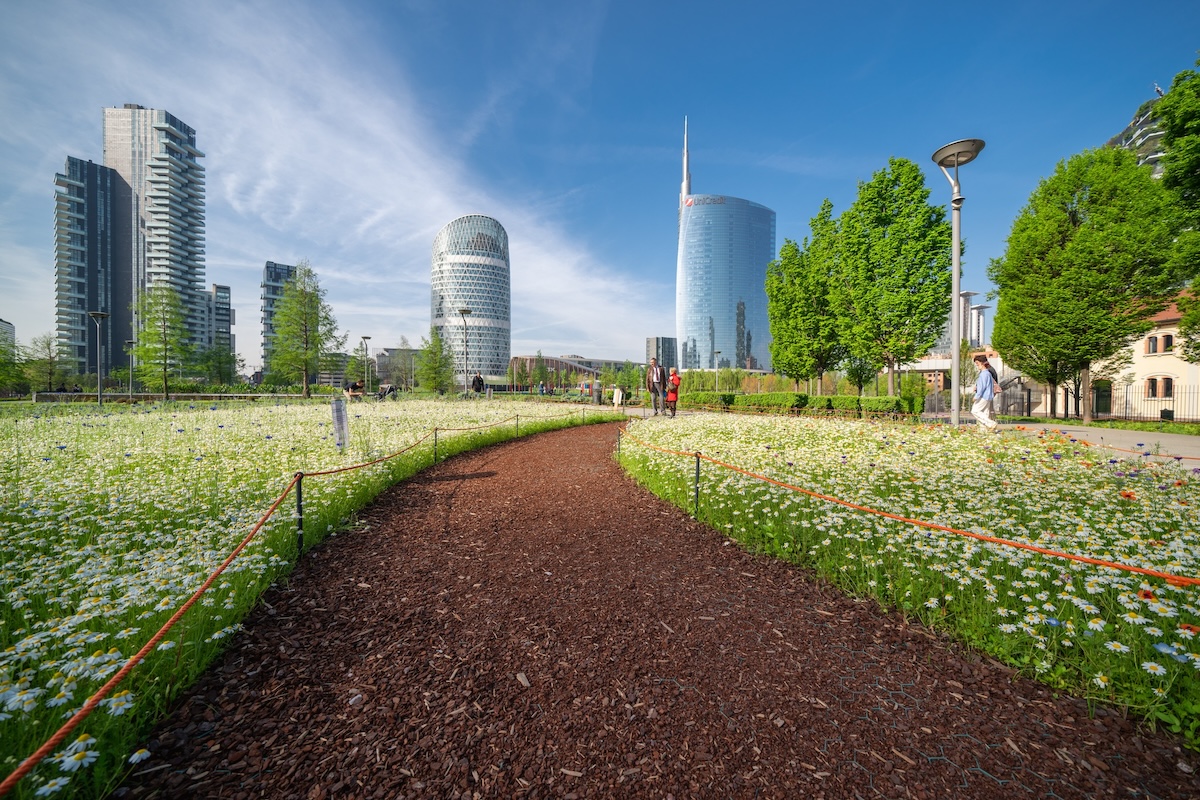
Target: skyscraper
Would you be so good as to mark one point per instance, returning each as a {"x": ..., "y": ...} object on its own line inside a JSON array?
[
  {"x": 273, "y": 280},
  {"x": 158, "y": 213},
  {"x": 725, "y": 245},
  {"x": 471, "y": 271},
  {"x": 85, "y": 265}
]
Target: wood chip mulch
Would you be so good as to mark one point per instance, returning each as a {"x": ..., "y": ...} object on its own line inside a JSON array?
[{"x": 524, "y": 621}]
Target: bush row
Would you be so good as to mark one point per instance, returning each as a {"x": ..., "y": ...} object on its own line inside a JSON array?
[{"x": 796, "y": 402}]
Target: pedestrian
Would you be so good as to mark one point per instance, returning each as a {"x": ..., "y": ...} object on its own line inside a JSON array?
[
  {"x": 985, "y": 390},
  {"x": 477, "y": 384},
  {"x": 673, "y": 382},
  {"x": 354, "y": 391},
  {"x": 656, "y": 384}
]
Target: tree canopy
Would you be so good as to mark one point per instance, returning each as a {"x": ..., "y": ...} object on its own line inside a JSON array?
[
  {"x": 805, "y": 342},
  {"x": 891, "y": 288},
  {"x": 162, "y": 338},
  {"x": 1087, "y": 264},
  {"x": 435, "y": 363},
  {"x": 305, "y": 328}
]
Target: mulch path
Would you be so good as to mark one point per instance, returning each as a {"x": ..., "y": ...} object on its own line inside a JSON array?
[{"x": 524, "y": 621}]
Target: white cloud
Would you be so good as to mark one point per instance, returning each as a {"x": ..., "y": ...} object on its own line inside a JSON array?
[{"x": 316, "y": 147}]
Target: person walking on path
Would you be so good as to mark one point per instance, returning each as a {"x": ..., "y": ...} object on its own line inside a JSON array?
[
  {"x": 656, "y": 384},
  {"x": 673, "y": 390},
  {"x": 477, "y": 384},
  {"x": 985, "y": 390}
]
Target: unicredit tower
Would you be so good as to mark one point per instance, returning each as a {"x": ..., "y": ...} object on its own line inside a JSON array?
[{"x": 725, "y": 245}]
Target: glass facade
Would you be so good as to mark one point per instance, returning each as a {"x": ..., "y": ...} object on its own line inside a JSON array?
[
  {"x": 471, "y": 270},
  {"x": 275, "y": 276},
  {"x": 158, "y": 212},
  {"x": 83, "y": 266},
  {"x": 725, "y": 245}
]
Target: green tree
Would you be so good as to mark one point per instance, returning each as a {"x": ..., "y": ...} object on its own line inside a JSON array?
[
  {"x": 162, "y": 340},
  {"x": 218, "y": 364},
  {"x": 1086, "y": 265},
  {"x": 43, "y": 361},
  {"x": 1179, "y": 115},
  {"x": 12, "y": 373},
  {"x": 805, "y": 342},
  {"x": 540, "y": 373},
  {"x": 522, "y": 374},
  {"x": 860, "y": 372},
  {"x": 892, "y": 286},
  {"x": 435, "y": 363},
  {"x": 305, "y": 328}
]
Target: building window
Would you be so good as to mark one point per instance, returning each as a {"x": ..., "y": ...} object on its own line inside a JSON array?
[
  {"x": 1167, "y": 386},
  {"x": 1168, "y": 343},
  {"x": 1152, "y": 344},
  {"x": 1151, "y": 387}
]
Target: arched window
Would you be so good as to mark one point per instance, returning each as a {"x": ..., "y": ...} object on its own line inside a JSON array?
[
  {"x": 1151, "y": 387},
  {"x": 1168, "y": 343},
  {"x": 1167, "y": 387},
  {"x": 1152, "y": 345}
]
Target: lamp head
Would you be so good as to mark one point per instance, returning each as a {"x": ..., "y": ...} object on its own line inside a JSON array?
[{"x": 958, "y": 153}]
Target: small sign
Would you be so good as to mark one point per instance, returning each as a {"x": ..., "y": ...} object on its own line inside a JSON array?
[{"x": 341, "y": 424}]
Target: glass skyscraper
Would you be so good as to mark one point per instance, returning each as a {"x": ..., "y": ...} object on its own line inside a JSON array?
[
  {"x": 471, "y": 271},
  {"x": 725, "y": 245}
]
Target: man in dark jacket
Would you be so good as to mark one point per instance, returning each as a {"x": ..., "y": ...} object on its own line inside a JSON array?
[
  {"x": 656, "y": 384},
  {"x": 477, "y": 383}
]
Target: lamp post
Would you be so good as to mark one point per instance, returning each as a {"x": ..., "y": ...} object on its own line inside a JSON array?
[
  {"x": 954, "y": 155},
  {"x": 465, "y": 312},
  {"x": 97, "y": 317},
  {"x": 129, "y": 343},
  {"x": 366, "y": 365},
  {"x": 717, "y": 371}
]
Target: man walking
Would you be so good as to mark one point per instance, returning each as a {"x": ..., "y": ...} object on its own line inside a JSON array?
[
  {"x": 985, "y": 390},
  {"x": 656, "y": 384}
]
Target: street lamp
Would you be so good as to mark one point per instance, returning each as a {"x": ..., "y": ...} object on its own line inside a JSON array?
[
  {"x": 97, "y": 316},
  {"x": 465, "y": 312},
  {"x": 954, "y": 155},
  {"x": 366, "y": 365},
  {"x": 717, "y": 371},
  {"x": 129, "y": 343}
]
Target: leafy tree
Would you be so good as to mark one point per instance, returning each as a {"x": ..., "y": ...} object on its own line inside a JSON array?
[
  {"x": 12, "y": 373},
  {"x": 540, "y": 373},
  {"x": 44, "y": 361},
  {"x": 1179, "y": 114},
  {"x": 892, "y": 285},
  {"x": 804, "y": 332},
  {"x": 305, "y": 328},
  {"x": 218, "y": 364},
  {"x": 522, "y": 373},
  {"x": 435, "y": 363},
  {"x": 860, "y": 371},
  {"x": 1086, "y": 266},
  {"x": 162, "y": 340}
]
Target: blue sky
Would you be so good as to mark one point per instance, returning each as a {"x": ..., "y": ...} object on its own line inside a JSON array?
[{"x": 350, "y": 133}]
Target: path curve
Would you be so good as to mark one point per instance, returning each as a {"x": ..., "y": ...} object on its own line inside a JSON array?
[{"x": 525, "y": 621}]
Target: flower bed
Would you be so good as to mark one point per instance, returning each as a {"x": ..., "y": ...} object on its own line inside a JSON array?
[{"x": 1101, "y": 632}]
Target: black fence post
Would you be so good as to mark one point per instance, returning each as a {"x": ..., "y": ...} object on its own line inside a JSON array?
[
  {"x": 299, "y": 514},
  {"x": 697, "y": 485}
]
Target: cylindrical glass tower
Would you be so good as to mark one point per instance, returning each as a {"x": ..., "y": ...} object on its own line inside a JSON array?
[
  {"x": 471, "y": 271},
  {"x": 725, "y": 245}
]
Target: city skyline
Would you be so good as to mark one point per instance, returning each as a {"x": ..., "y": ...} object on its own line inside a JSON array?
[{"x": 349, "y": 135}]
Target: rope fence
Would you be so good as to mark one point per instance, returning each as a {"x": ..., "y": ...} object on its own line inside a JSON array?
[
  {"x": 1174, "y": 580},
  {"x": 297, "y": 483}
]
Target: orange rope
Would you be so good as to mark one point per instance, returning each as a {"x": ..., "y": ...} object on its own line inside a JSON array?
[
  {"x": 61, "y": 734},
  {"x": 1175, "y": 580}
]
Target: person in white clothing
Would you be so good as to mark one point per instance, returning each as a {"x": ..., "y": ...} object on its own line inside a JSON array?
[{"x": 985, "y": 390}]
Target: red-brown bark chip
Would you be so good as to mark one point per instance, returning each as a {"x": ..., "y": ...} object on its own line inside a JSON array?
[{"x": 524, "y": 621}]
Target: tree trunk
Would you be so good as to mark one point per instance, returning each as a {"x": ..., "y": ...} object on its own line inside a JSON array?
[
  {"x": 891, "y": 373},
  {"x": 1085, "y": 390},
  {"x": 1053, "y": 400}
]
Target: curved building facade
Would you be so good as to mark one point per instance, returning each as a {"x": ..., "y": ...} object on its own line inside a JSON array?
[
  {"x": 471, "y": 270},
  {"x": 725, "y": 245}
]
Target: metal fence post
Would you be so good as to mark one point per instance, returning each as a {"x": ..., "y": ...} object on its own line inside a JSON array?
[
  {"x": 517, "y": 417},
  {"x": 435, "y": 445},
  {"x": 697, "y": 485},
  {"x": 299, "y": 514}
]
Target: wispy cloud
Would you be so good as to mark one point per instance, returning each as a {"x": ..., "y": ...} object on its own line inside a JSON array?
[{"x": 316, "y": 146}]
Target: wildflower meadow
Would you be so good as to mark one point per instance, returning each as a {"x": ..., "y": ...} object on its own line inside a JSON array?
[
  {"x": 1100, "y": 632},
  {"x": 113, "y": 516}
]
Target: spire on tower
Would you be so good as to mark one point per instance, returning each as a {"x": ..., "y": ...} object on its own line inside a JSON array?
[{"x": 685, "y": 188}]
